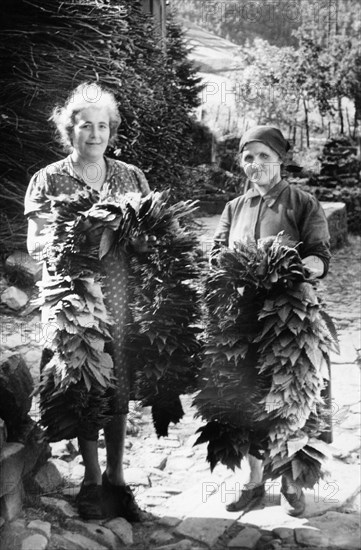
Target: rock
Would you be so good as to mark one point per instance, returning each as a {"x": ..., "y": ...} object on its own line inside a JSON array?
[
  {"x": 3, "y": 433},
  {"x": 309, "y": 536},
  {"x": 11, "y": 504},
  {"x": 23, "y": 262},
  {"x": 63, "y": 449},
  {"x": 16, "y": 385},
  {"x": 156, "y": 461},
  {"x": 160, "y": 492},
  {"x": 58, "y": 541},
  {"x": 14, "y": 298},
  {"x": 343, "y": 530},
  {"x": 59, "y": 505},
  {"x": 48, "y": 478},
  {"x": 122, "y": 529},
  {"x": 184, "y": 453},
  {"x": 37, "y": 449},
  {"x": 34, "y": 541},
  {"x": 161, "y": 537},
  {"x": 169, "y": 490},
  {"x": 14, "y": 339},
  {"x": 169, "y": 521},
  {"x": 190, "y": 441},
  {"x": 152, "y": 502},
  {"x": 18, "y": 524},
  {"x": 284, "y": 533},
  {"x": 171, "y": 442},
  {"x": 137, "y": 476},
  {"x": 273, "y": 545},
  {"x": 181, "y": 545},
  {"x": 76, "y": 472},
  {"x": 203, "y": 529},
  {"x": 11, "y": 535},
  {"x": 179, "y": 463},
  {"x": 2, "y": 521},
  {"x": 43, "y": 526},
  {"x": 12, "y": 461},
  {"x": 33, "y": 358},
  {"x": 266, "y": 537},
  {"x": 97, "y": 532},
  {"x": 63, "y": 467},
  {"x": 247, "y": 538},
  {"x": 75, "y": 541}
]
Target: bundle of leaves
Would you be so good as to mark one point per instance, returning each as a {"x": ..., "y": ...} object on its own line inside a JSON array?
[
  {"x": 48, "y": 47},
  {"x": 162, "y": 338},
  {"x": 266, "y": 361}
]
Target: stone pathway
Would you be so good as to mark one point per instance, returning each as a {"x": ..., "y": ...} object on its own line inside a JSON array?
[{"x": 185, "y": 503}]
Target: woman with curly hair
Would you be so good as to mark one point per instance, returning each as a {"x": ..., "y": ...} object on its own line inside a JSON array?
[{"x": 87, "y": 123}]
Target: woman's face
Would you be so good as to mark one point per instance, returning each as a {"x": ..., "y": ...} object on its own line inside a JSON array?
[
  {"x": 91, "y": 133},
  {"x": 261, "y": 164}
]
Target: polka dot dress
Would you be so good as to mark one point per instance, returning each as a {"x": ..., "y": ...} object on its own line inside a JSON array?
[
  {"x": 59, "y": 178},
  {"x": 115, "y": 289}
]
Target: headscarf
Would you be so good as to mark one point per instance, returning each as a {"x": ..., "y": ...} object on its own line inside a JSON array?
[{"x": 269, "y": 135}]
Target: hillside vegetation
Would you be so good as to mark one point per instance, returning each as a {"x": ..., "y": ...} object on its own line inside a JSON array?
[{"x": 242, "y": 21}]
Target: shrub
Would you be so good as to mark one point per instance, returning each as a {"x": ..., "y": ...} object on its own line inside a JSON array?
[{"x": 49, "y": 46}]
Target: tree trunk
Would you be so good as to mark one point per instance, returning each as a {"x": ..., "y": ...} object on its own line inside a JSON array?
[
  {"x": 214, "y": 151},
  {"x": 348, "y": 122},
  {"x": 306, "y": 123},
  {"x": 339, "y": 106},
  {"x": 355, "y": 119}
]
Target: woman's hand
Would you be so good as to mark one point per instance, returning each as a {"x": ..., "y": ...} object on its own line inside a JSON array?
[{"x": 314, "y": 266}]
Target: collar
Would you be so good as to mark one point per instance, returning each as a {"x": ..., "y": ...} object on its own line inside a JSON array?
[
  {"x": 271, "y": 196},
  {"x": 66, "y": 167}
]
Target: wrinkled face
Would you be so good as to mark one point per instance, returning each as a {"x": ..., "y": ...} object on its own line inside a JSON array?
[
  {"x": 261, "y": 164},
  {"x": 91, "y": 132}
]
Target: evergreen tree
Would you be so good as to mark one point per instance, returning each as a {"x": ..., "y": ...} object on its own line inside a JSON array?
[{"x": 47, "y": 47}]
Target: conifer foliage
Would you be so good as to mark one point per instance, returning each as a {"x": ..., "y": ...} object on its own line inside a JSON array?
[{"x": 48, "y": 47}]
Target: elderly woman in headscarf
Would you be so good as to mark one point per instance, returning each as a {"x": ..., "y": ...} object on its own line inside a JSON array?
[{"x": 269, "y": 206}]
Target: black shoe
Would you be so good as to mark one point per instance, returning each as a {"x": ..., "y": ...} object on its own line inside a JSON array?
[
  {"x": 294, "y": 504},
  {"x": 248, "y": 498},
  {"x": 89, "y": 501},
  {"x": 119, "y": 501}
]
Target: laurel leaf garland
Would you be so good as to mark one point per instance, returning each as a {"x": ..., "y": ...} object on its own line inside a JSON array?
[
  {"x": 266, "y": 361},
  {"x": 162, "y": 340}
]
